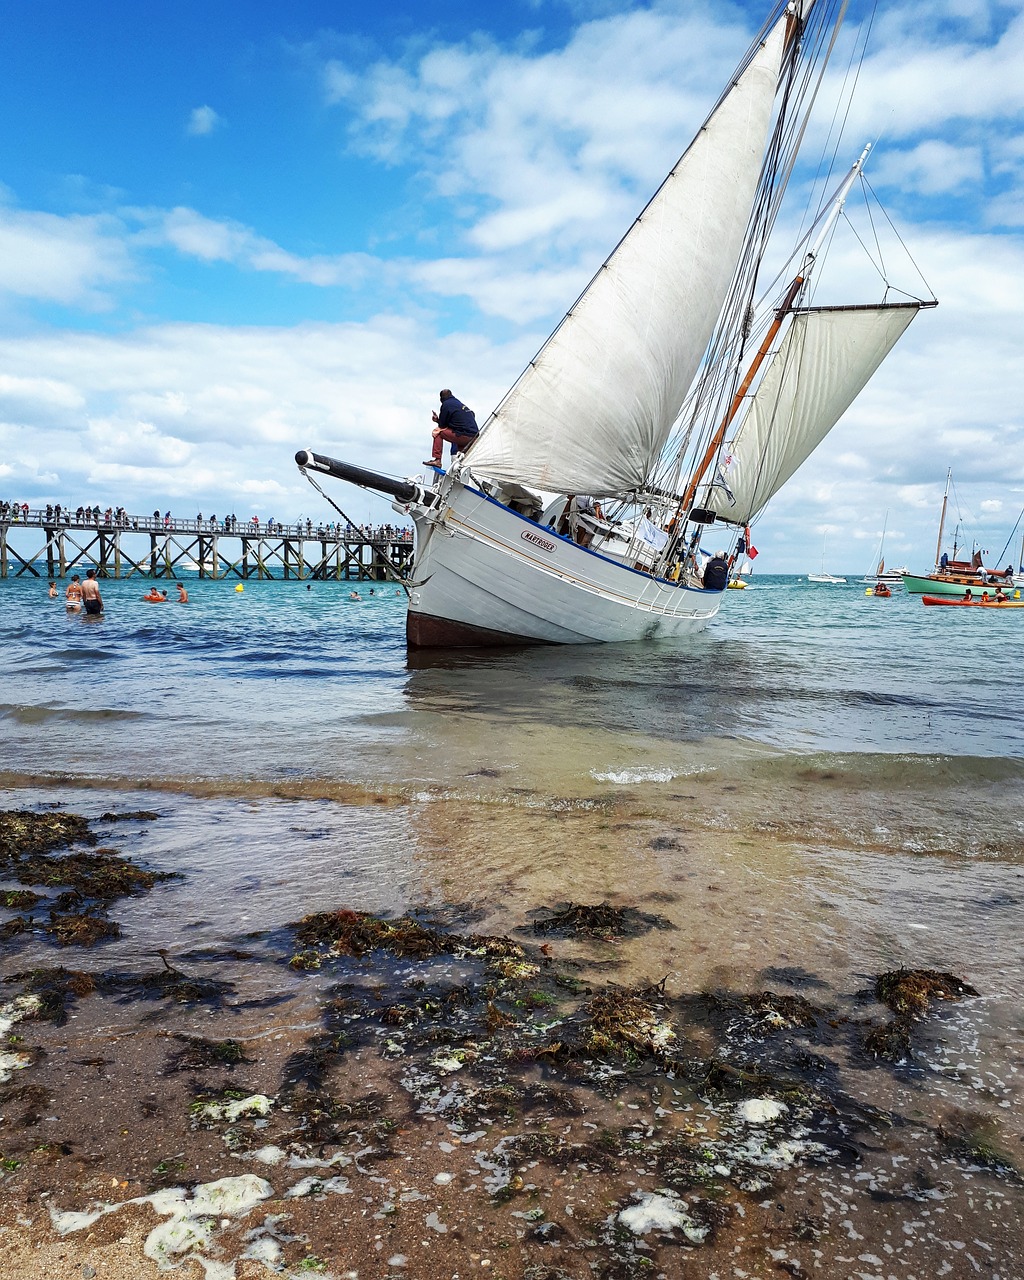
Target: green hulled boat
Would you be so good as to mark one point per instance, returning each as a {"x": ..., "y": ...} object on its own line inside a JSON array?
[{"x": 952, "y": 577}]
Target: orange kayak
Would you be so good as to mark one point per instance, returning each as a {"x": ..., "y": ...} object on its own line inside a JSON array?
[{"x": 973, "y": 604}]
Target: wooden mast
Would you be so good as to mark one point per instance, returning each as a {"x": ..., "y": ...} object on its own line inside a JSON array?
[{"x": 737, "y": 400}]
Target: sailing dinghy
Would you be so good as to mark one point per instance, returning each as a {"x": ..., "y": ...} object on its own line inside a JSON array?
[{"x": 636, "y": 397}]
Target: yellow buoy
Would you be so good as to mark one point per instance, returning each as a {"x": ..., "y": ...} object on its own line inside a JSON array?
[
  {"x": 239, "y": 587},
  {"x": 869, "y": 591}
]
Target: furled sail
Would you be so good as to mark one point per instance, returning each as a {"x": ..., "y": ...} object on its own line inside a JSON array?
[
  {"x": 592, "y": 413},
  {"x": 826, "y": 358}
]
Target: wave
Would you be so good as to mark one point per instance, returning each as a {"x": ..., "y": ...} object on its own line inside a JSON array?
[
  {"x": 955, "y": 773},
  {"x": 29, "y": 715},
  {"x": 624, "y": 777},
  {"x": 83, "y": 655},
  {"x": 308, "y": 788}
]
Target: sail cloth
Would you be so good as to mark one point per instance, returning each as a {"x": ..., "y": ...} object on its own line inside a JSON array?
[
  {"x": 592, "y": 413},
  {"x": 821, "y": 365}
]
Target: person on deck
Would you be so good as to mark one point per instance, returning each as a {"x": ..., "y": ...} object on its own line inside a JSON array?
[
  {"x": 716, "y": 572},
  {"x": 456, "y": 423},
  {"x": 569, "y": 523}
]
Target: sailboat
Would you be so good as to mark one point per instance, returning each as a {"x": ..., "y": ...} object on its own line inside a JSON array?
[
  {"x": 952, "y": 577},
  {"x": 823, "y": 576},
  {"x": 632, "y": 397},
  {"x": 742, "y": 571},
  {"x": 883, "y": 577}
]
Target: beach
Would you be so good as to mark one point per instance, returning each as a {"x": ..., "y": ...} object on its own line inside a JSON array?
[{"x": 344, "y": 1014}]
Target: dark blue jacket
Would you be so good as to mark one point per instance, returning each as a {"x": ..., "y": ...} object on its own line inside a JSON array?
[
  {"x": 716, "y": 574},
  {"x": 457, "y": 417}
]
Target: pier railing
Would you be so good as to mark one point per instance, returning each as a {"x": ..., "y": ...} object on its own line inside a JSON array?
[{"x": 123, "y": 546}]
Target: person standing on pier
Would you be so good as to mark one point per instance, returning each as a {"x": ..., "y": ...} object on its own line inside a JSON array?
[{"x": 91, "y": 598}]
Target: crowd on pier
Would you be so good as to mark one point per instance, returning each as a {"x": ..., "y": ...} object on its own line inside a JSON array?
[{"x": 55, "y": 515}]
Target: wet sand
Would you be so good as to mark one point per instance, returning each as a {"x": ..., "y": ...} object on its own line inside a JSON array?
[{"x": 698, "y": 1095}]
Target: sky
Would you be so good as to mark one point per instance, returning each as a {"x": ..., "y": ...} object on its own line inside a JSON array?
[{"x": 231, "y": 231}]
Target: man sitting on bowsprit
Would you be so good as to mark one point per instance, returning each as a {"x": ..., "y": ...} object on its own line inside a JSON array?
[
  {"x": 456, "y": 423},
  {"x": 716, "y": 572}
]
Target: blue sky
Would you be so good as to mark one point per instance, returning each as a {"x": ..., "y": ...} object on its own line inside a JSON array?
[{"x": 228, "y": 231}]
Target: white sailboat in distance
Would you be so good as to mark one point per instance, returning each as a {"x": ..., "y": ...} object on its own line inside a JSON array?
[
  {"x": 823, "y": 576},
  {"x": 636, "y": 397}
]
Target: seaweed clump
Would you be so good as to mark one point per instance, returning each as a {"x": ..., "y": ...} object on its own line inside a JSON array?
[
  {"x": 599, "y": 921},
  {"x": 79, "y": 885},
  {"x": 54, "y": 989},
  {"x": 198, "y": 1054},
  {"x": 908, "y": 991},
  {"x": 329, "y": 934},
  {"x": 628, "y": 1024},
  {"x": 23, "y": 833}
]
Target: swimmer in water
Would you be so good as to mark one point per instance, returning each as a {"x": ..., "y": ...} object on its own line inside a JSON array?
[
  {"x": 53, "y": 591},
  {"x": 182, "y": 593},
  {"x": 73, "y": 595},
  {"x": 354, "y": 595}
]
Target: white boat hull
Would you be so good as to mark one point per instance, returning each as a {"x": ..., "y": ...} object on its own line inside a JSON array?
[{"x": 485, "y": 575}]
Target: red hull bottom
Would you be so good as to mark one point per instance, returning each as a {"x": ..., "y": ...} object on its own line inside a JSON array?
[{"x": 422, "y": 631}]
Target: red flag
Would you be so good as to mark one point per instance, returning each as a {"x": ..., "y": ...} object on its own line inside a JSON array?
[{"x": 752, "y": 552}]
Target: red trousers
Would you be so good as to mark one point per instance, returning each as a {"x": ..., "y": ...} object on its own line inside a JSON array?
[{"x": 454, "y": 438}]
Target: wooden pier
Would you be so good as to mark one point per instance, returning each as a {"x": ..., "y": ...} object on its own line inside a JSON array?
[{"x": 151, "y": 547}]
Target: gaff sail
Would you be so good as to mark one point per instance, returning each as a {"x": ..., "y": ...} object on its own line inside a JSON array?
[
  {"x": 592, "y": 412},
  {"x": 824, "y": 361}
]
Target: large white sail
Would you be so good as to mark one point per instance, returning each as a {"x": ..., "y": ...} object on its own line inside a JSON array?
[
  {"x": 592, "y": 413},
  {"x": 821, "y": 365}
]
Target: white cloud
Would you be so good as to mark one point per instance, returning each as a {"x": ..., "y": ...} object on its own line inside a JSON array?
[
  {"x": 71, "y": 260},
  {"x": 214, "y": 414},
  {"x": 931, "y": 168},
  {"x": 202, "y": 121},
  {"x": 534, "y": 146}
]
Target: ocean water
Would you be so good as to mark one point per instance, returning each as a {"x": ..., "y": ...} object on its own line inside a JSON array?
[
  {"x": 278, "y": 682},
  {"x": 822, "y": 787}
]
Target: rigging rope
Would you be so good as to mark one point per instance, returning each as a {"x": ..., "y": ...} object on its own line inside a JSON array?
[{"x": 388, "y": 566}]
